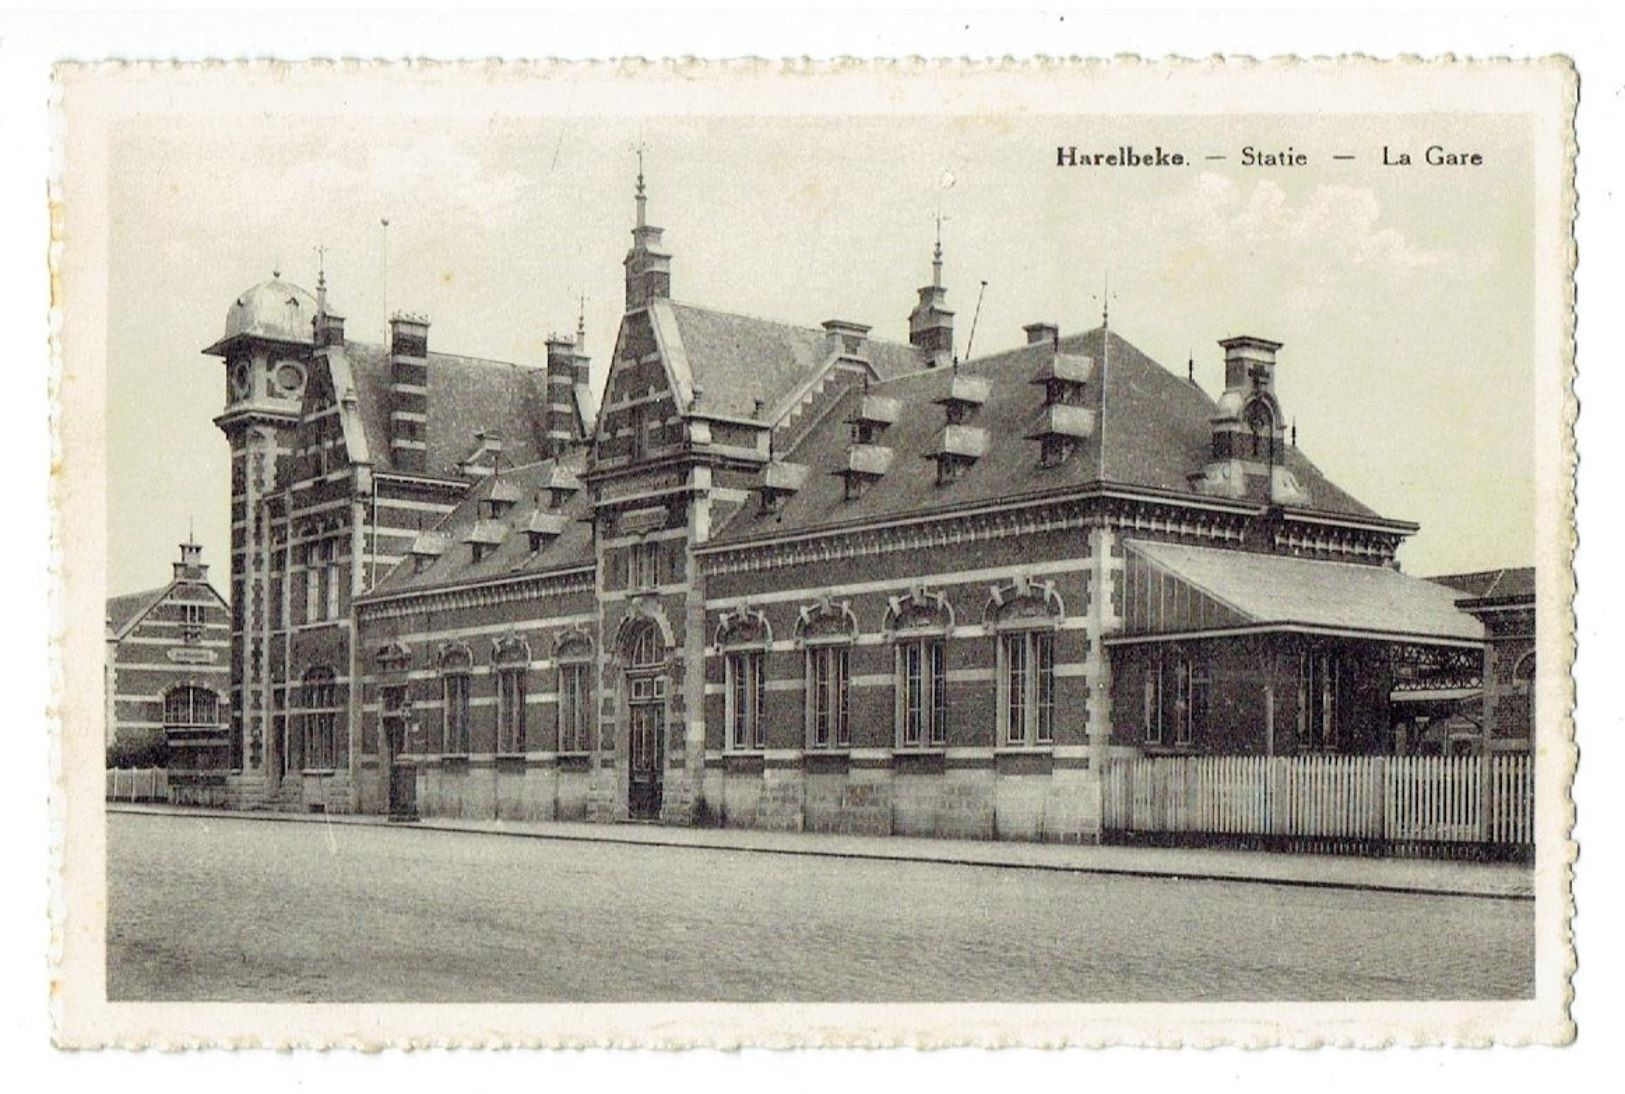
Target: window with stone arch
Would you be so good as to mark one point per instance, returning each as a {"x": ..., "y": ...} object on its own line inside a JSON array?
[
  {"x": 826, "y": 632},
  {"x": 318, "y": 703},
  {"x": 918, "y": 625},
  {"x": 1259, "y": 418},
  {"x": 510, "y": 661},
  {"x": 745, "y": 638},
  {"x": 573, "y": 658},
  {"x": 1023, "y": 618},
  {"x": 456, "y": 664}
]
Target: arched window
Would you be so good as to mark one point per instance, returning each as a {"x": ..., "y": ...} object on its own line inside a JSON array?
[
  {"x": 1261, "y": 424},
  {"x": 573, "y": 656},
  {"x": 827, "y": 631},
  {"x": 512, "y": 662},
  {"x": 745, "y": 638},
  {"x": 918, "y": 626},
  {"x": 1023, "y": 617},
  {"x": 645, "y": 651},
  {"x": 318, "y": 703},
  {"x": 188, "y": 707},
  {"x": 456, "y": 667}
]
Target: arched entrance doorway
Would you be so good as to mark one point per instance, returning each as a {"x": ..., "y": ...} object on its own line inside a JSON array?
[{"x": 645, "y": 690}]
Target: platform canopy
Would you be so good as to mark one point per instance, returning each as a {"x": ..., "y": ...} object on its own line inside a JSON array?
[{"x": 1176, "y": 591}]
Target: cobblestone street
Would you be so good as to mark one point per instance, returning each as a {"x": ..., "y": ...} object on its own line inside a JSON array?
[{"x": 226, "y": 909}]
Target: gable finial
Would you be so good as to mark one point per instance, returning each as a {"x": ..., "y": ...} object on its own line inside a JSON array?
[
  {"x": 1294, "y": 431},
  {"x": 936, "y": 254},
  {"x": 581, "y": 323},
  {"x": 1190, "y": 366},
  {"x": 642, "y": 194}
]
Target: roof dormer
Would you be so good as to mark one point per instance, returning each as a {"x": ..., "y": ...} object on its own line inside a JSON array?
[
  {"x": 427, "y": 547},
  {"x": 876, "y": 413},
  {"x": 964, "y": 397},
  {"x": 560, "y": 486},
  {"x": 1064, "y": 377},
  {"x": 504, "y": 496},
  {"x": 863, "y": 465},
  {"x": 543, "y": 528},
  {"x": 781, "y": 480},
  {"x": 485, "y": 537},
  {"x": 956, "y": 449}
]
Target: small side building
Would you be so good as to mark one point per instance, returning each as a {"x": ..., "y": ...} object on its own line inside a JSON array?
[{"x": 167, "y": 672}]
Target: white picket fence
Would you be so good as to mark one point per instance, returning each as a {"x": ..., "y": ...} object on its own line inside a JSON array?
[
  {"x": 128, "y": 784},
  {"x": 1400, "y": 799}
]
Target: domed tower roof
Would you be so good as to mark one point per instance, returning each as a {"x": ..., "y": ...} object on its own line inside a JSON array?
[{"x": 274, "y": 309}]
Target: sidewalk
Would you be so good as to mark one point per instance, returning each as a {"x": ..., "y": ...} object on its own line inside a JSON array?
[{"x": 1494, "y": 880}]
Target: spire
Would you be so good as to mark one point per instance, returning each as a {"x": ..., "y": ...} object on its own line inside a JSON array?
[
  {"x": 581, "y": 324},
  {"x": 321, "y": 279},
  {"x": 936, "y": 257},
  {"x": 642, "y": 197}
]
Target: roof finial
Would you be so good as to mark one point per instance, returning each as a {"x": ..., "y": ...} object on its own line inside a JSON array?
[
  {"x": 1294, "y": 431},
  {"x": 581, "y": 324},
  {"x": 1190, "y": 366},
  {"x": 321, "y": 278},
  {"x": 936, "y": 255},
  {"x": 642, "y": 196},
  {"x": 1106, "y": 303}
]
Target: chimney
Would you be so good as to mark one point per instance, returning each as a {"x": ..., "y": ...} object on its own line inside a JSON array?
[
  {"x": 846, "y": 339},
  {"x": 191, "y": 566},
  {"x": 1042, "y": 332},
  {"x": 408, "y": 392},
  {"x": 562, "y": 431}
]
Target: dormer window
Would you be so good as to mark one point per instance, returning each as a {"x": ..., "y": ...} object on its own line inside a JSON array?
[
  {"x": 957, "y": 448},
  {"x": 504, "y": 496},
  {"x": 543, "y": 528},
  {"x": 780, "y": 481},
  {"x": 560, "y": 486},
  {"x": 875, "y": 414},
  {"x": 1053, "y": 450},
  {"x": 964, "y": 398},
  {"x": 1064, "y": 377},
  {"x": 485, "y": 537},
  {"x": 865, "y": 463}
]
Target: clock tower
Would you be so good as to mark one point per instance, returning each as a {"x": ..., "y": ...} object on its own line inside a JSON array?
[{"x": 267, "y": 352}]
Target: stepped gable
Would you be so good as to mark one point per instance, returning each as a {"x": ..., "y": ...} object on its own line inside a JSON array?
[
  {"x": 738, "y": 359},
  {"x": 466, "y": 395},
  {"x": 510, "y": 553},
  {"x": 1157, "y": 428}
]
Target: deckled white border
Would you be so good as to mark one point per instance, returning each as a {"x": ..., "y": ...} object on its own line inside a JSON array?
[{"x": 1185, "y": 87}]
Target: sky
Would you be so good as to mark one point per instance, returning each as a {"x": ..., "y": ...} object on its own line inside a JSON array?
[{"x": 1403, "y": 296}]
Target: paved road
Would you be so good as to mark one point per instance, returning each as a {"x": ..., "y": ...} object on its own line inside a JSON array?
[{"x": 228, "y": 909}]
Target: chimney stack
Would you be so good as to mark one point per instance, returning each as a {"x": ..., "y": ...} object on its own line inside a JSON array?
[
  {"x": 1042, "y": 332},
  {"x": 408, "y": 391},
  {"x": 561, "y": 394}
]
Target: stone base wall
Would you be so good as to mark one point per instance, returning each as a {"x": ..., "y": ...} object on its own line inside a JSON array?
[{"x": 875, "y": 796}]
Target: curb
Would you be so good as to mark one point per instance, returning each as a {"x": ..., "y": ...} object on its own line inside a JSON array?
[{"x": 431, "y": 825}]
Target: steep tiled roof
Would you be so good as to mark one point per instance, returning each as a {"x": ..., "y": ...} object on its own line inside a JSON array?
[
  {"x": 511, "y": 553},
  {"x": 1517, "y": 583},
  {"x": 737, "y": 359},
  {"x": 466, "y": 395},
  {"x": 1156, "y": 426},
  {"x": 125, "y": 610}
]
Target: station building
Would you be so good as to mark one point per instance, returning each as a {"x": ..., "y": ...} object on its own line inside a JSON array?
[
  {"x": 783, "y": 576},
  {"x": 167, "y": 672}
]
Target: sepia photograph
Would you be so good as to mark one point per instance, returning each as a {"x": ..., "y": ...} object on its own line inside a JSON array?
[{"x": 576, "y": 539}]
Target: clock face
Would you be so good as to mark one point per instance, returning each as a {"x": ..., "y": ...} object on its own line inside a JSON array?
[
  {"x": 290, "y": 378},
  {"x": 239, "y": 379}
]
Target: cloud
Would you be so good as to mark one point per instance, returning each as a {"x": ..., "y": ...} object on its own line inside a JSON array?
[{"x": 1341, "y": 224}]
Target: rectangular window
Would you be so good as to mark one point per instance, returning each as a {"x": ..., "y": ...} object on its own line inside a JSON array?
[
  {"x": 1027, "y": 687},
  {"x": 922, "y": 693},
  {"x": 192, "y": 623},
  {"x": 1317, "y": 701},
  {"x": 574, "y": 708},
  {"x": 747, "y": 693},
  {"x": 319, "y": 697},
  {"x": 643, "y": 565},
  {"x": 827, "y": 684},
  {"x": 1177, "y": 698},
  {"x": 454, "y": 724},
  {"x": 511, "y": 710},
  {"x": 313, "y": 572},
  {"x": 332, "y": 581}
]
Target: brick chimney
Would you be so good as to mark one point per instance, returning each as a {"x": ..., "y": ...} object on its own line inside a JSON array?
[
  {"x": 408, "y": 392},
  {"x": 1042, "y": 332},
  {"x": 562, "y": 431}
]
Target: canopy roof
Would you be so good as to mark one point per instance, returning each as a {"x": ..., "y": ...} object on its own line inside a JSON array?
[{"x": 1173, "y": 590}]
